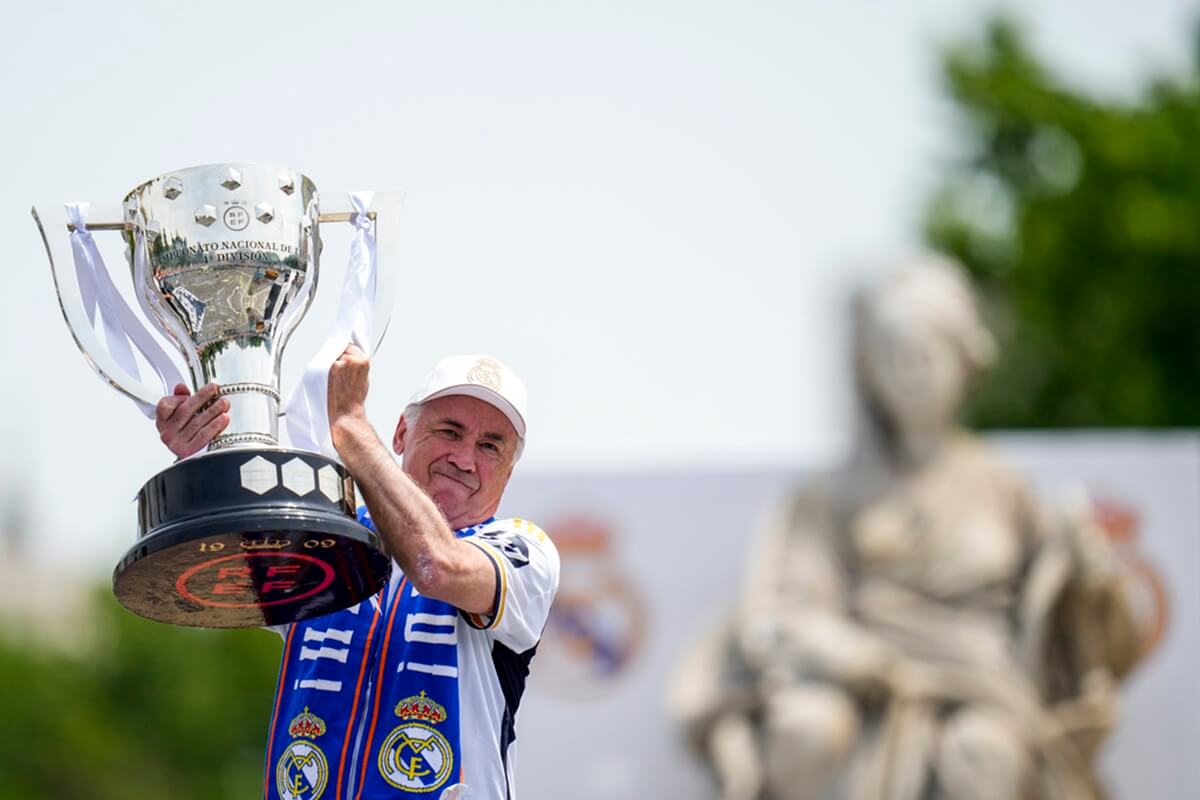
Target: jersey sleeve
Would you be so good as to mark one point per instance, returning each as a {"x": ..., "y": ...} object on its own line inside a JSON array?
[{"x": 527, "y": 566}]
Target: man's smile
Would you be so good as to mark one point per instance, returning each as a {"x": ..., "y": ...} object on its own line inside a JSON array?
[{"x": 466, "y": 479}]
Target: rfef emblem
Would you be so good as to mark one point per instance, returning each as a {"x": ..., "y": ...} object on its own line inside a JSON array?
[
  {"x": 416, "y": 756},
  {"x": 303, "y": 771}
]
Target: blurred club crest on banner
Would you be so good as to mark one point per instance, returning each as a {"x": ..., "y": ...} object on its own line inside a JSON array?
[
  {"x": 598, "y": 624},
  {"x": 1147, "y": 591}
]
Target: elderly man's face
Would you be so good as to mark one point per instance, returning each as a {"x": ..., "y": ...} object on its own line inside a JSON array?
[{"x": 460, "y": 450}]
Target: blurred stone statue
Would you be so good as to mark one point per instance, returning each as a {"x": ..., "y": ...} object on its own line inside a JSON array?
[{"x": 915, "y": 627}]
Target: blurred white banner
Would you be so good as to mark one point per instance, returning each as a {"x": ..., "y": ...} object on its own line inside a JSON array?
[{"x": 650, "y": 560}]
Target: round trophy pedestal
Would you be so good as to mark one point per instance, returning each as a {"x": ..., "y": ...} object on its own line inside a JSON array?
[{"x": 248, "y": 537}]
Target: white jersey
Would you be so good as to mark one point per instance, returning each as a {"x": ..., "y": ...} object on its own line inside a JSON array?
[{"x": 411, "y": 695}]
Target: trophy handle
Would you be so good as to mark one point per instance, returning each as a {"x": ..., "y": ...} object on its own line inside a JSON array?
[
  {"x": 384, "y": 210},
  {"x": 53, "y": 223}
]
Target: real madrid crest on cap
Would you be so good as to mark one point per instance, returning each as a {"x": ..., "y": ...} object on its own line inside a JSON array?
[
  {"x": 415, "y": 755},
  {"x": 303, "y": 771},
  {"x": 485, "y": 372}
]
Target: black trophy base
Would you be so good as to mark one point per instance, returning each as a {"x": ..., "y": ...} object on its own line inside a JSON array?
[{"x": 249, "y": 537}]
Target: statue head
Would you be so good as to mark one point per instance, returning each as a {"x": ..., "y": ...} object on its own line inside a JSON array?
[{"x": 919, "y": 344}]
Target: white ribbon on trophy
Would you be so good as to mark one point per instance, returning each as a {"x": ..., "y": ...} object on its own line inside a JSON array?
[
  {"x": 121, "y": 326},
  {"x": 307, "y": 406}
]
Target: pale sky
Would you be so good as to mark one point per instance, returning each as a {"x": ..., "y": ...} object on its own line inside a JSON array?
[{"x": 650, "y": 210}]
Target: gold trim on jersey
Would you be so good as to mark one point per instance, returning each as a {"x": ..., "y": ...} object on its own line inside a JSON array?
[{"x": 502, "y": 577}]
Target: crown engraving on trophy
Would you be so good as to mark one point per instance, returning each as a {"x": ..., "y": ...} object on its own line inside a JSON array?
[
  {"x": 231, "y": 178},
  {"x": 264, "y": 212},
  {"x": 206, "y": 215},
  {"x": 172, "y": 187}
]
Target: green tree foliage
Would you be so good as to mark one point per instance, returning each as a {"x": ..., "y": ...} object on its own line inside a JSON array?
[
  {"x": 1080, "y": 220},
  {"x": 138, "y": 710}
]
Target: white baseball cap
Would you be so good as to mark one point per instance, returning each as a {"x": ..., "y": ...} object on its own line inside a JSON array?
[{"x": 481, "y": 377}]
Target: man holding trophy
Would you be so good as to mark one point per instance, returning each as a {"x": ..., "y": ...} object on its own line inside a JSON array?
[
  {"x": 468, "y": 602},
  {"x": 389, "y": 686}
]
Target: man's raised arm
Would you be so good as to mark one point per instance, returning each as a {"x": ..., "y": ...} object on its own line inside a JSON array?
[{"x": 413, "y": 529}]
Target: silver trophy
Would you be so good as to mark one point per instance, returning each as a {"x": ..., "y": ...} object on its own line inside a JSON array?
[{"x": 224, "y": 260}]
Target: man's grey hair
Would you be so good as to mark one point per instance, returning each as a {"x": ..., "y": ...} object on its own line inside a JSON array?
[{"x": 413, "y": 410}]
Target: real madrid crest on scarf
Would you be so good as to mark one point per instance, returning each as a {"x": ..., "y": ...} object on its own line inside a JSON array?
[
  {"x": 416, "y": 755},
  {"x": 303, "y": 771}
]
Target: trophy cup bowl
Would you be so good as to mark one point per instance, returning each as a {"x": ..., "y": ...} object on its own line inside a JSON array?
[{"x": 225, "y": 259}]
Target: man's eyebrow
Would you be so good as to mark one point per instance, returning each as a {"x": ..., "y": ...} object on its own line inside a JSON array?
[{"x": 458, "y": 426}]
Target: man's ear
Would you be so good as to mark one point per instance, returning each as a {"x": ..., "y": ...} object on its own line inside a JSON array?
[{"x": 398, "y": 436}]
